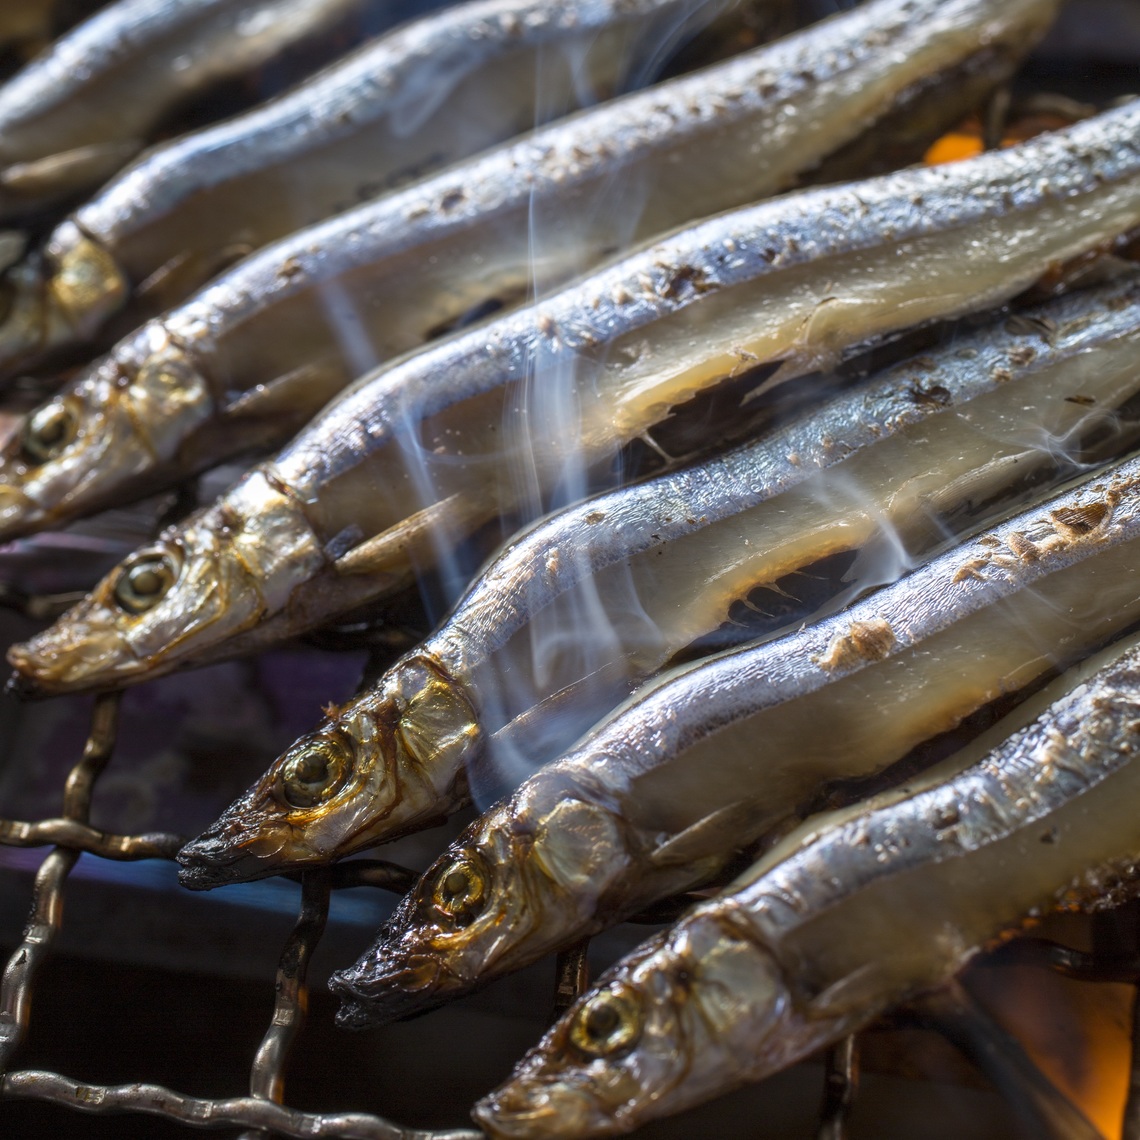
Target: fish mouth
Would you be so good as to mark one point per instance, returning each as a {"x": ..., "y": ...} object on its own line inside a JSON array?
[
  {"x": 536, "y": 1108},
  {"x": 221, "y": 857},
  {"x": 200, "y": 869},
  {"x": 70, "y": 656},
  {"x": 390, "y": 991}
]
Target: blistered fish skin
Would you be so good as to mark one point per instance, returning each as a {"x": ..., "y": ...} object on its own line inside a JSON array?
[
  {"x": 1006, "y": 216},
  {"x": 378, "y": 786},
  {"x": 187, "y": 209},
  {"x": 775, "y": 940},
  {"x": 662, "y": 793},
  {"x": 263, "y": 333}
]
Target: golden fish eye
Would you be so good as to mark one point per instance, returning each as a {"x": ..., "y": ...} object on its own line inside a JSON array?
[
  {"x": 48, "y": 430},
  {"x": 608, "y": 1023},
  {"x": 461, "y": 890},
  {"x": 314, "y": 772},
  {"x": 144, "y": 581}
]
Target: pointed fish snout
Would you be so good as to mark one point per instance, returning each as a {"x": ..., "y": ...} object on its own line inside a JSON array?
[
  {"x": 230, "y": 851},
  {"x": 203, "y": 864},
  {"x": 387, "y": 991},
  {"x": 530, "y": 1111}
]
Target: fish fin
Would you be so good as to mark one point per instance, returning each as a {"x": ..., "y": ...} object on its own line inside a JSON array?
[
  {"x": 300, "y": 393},
  {"x": 393, "y": 548},
  {"x": 858, "y": 990},
  {"x": 67, "y": 171},
  {"x": 719, "y": 832}
]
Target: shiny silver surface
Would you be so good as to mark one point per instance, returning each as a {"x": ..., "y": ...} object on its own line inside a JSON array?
[
  {"x": 683, "y": 549},
  {"x": 700, "y": 763},
  {"x": 830, "y": 269},
  {"x": 288, "y": 328},
  {"x": 856, "y": 912}
]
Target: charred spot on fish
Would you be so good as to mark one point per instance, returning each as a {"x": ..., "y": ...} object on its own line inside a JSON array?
[
  {"x": 229, "y": 522},
  {"x": 290, "y": 268},
  {"x": 607, "y": 1023},
  {"x": 945, "y": 816},
  {"x": 49, "y": 430},
  {"x": 314, "y": 771},
  {"x": 864, "y": 641},
  {"x": 930, "y": 395},
  {"x": 452, "y": 199},
  {"x": 460, "y": 890},
  {"x": 145, "y": 580},
  {"x": 1075, "y": 522},
  {"x": 684, "y": 282},
  {"x": 1081, "y": 401}
]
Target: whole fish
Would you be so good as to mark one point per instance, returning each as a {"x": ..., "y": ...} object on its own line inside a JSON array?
[
  {"x": 254, "y": 356},
  {"x": 935, "y": 446},
  {"x": 81, "y": 110},
  {"x": 700, "y": 764},
  {"x": 438, "y": 89},
  {"x": 306, "y": 536},
  {"x": 855, "y": 913}
]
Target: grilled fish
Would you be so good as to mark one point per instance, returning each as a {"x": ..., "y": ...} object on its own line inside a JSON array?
[
  {"x": 700, "y": 764},
  {"x": 932, "y": 448},
  {"x": 80, "y": 111},
  {"x": 306, "y": 536},
  {"x": 251, "y": 358},
  {"x": 851, "y": 915},
  {"x": 436, "y": 90}
]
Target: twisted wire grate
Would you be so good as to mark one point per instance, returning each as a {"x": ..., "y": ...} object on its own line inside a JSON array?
[{"x": 263, "y": 1113}]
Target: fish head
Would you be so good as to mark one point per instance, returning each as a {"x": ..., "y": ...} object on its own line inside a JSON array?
[
  {"x": 522, "y": 881},
  {"x": 203, "y": 581},
  {"x": 111, "y": 432},
  {"x": 57, "y": 296},
  {"x": 677, "y": 1021},
  {"x": 392, "y": 760}
]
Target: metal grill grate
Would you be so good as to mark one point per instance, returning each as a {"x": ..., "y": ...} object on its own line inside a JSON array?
[{"x": 263, "y": 1113}]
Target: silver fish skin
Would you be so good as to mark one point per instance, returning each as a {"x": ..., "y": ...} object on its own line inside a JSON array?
[
  {"x": 662, "y": 794},
  {"x": 263, "y": 348},
  {"x": 855, "y": 913},
  {"x": 80, "y": 111},
  {"x": 664, "y": 563},
  {"x": 828, "y": 269},
  {"x": 436, "y": 90}
]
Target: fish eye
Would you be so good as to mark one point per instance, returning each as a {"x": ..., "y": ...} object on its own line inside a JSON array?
[
  {"x": 461, "y": 890},
  {"x": 49, "y": 429},
  {"x": 314, "y": 772},
  {"x": 144, "y": 581},
  {"x": 607, "y": 1023}
]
